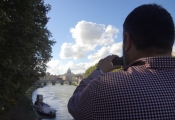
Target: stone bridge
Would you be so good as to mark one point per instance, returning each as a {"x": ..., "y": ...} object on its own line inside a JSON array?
[
  {"x": 43, "y": 82},
  {"x": 68, "y": 78}
]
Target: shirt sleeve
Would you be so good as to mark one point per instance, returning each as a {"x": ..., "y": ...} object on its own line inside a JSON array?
[{"x": 79, "y": 105}]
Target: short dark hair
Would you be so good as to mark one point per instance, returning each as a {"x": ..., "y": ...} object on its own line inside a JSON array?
[{"x": 150, "y": 25}]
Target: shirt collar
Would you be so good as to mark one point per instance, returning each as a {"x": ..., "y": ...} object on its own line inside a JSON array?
[{"x": 155, "y": 62}]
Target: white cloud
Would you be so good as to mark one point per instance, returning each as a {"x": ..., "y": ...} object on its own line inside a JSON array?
[
  {"x": 81, "y": 67},
  {"x": 109, "y": 35},
  {"x": 87, "y": 33},
  {"x": 55, "y": 67},
  {"x": 87, "y": 36},
  {"x": 73, "y": 51},
  {"x": 103, "y": 52},
  {"x": 115, "y": 49}
]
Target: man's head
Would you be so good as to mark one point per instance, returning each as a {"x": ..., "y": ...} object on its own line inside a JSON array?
[{"x": 147, "y": 31}]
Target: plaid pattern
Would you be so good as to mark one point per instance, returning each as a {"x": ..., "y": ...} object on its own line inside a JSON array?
[{"x": 145, "y": 90}]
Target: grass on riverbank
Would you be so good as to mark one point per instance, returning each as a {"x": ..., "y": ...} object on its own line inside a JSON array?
[
  {"x": 74, "y": 84},
  {"x": 24, "y": 109}
]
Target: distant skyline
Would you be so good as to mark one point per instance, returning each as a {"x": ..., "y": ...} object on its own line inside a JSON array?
[{"x": 88, "y": 30}]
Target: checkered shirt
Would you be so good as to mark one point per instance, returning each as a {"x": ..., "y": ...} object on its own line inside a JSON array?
[{"x": 143, "y": 91}]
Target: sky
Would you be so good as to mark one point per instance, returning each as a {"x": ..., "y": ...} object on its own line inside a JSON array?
[{"x": 88, "y": 30}]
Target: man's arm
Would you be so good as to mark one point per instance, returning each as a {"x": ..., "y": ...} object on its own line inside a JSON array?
[{"x": 79, "y": 105}]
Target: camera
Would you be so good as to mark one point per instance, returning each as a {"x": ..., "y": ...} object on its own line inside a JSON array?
[{"x": 117, "y": 61}]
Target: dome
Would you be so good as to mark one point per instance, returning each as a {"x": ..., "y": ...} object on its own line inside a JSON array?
[{"x": 69, "y": 71}]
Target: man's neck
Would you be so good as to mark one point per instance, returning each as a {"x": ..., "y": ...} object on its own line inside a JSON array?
[
  {"x": 146, "y": 54},
  {"x": 153, "y": 54}
]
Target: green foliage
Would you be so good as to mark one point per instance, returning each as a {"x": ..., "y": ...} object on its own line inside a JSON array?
[
  {"x": 173, "y": 56},
  {"x": 23, "y": 110},
  {"x": 92, "y": 68},
  {"x": 75, "y": 84},
  {"x": 25, "y": 48},
  {"x": 116, "y": 70}
]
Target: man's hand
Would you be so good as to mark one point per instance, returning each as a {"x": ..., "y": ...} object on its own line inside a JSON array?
[{"x": 106, "y": 64}]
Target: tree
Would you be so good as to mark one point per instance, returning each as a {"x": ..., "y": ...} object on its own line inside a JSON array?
[
  {"x": 89, "y": 70},
  {"x": 92, "y": 68},
  {"x": 173, "y": 54},
  {"x": 25, "y": 48}
]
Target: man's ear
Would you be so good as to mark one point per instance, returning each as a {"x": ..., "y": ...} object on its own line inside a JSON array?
[{"x": 127, "y": 41}]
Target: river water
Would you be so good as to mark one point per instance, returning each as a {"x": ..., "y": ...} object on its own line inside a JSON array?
[{"x": 57, "y": 97}]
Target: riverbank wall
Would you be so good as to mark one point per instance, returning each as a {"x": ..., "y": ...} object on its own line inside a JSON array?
[{"x": 29, "y": 93}]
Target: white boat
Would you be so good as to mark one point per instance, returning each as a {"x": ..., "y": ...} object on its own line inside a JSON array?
[{"x": 43, "y": 108}]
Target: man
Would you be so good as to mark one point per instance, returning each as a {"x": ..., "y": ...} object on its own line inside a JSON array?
[{"x": 145, "y": 89}]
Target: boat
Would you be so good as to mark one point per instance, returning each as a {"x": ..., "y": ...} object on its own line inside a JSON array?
[{"x": 43, "y": 108}]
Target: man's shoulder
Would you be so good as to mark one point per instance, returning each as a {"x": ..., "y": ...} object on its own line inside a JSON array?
[
  {"x": 123, "y": 74},
  {"x": 132, "y": 73},
  {"x": 111, "y": 77}
]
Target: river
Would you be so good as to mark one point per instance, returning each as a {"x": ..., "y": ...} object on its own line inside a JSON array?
[{"x": 57, "y": 97}]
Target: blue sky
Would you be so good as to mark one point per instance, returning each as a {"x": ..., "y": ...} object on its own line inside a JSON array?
[{"x": 88, "y": 30}]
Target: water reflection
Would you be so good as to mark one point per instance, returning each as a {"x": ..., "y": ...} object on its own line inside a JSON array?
[{"x": 57, "y": 97}]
